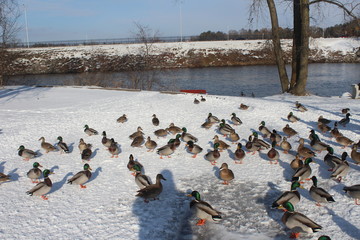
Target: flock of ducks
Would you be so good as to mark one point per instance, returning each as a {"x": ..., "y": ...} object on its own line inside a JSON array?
[{"x": 203, "y": 210}]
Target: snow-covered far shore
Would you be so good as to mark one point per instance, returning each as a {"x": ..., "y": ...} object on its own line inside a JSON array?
[{"x": 108, "y": 207}]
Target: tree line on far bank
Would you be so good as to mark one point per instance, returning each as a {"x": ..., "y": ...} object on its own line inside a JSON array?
[{"x": 348, "y": 29}]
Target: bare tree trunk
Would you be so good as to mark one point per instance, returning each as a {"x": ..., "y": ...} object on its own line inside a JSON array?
[{"x": 284, "y": 80}]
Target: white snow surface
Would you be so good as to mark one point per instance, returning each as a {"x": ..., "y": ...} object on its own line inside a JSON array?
[{"x": 108, "y": 207}]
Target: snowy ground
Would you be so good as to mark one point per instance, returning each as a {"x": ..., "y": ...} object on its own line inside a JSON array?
[{"x": 108, "y": 208}]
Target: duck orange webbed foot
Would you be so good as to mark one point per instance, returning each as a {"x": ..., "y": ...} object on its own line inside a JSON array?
[{"x": 201, "y": 222}]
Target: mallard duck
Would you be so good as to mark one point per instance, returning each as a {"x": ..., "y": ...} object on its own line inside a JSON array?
[
  {"x": 275, "y": 137},
  {"x": 263, "y": 144},
  {"x": 4, "y": 177},
  {"x": 264, "y": 130},
  {"x": 26, "y": 153},
  {"x": 304, "y": 172},
  {"x": 207, "y": 125},
  {"x": 173, "y": 129},
  {"x": 345, "y": 120},
  {"x": 63, "y": 146},
  {"x": 335, "y": 131},
  {"x": 313, "y": 135},
  {"x": 292, "y": 118},
  {"x": 300, "y": 107},
  {"x": 153, "y": 190},
  {"x": 234, "y": 137},
  {"x": 252, "y": 146},
  {"x": 138, "y": 141},
  {"x": 319, "y": 194},
  {"x": 105, "y": 141},
  {"x": 193, "y": 148},
  {"x": 273, "y": 154},
  {"x": 214, "y": 155},
  {"x": 323, "y": 127},
  {"x": 226, "y": 174},
  {"x": 47, "y": 146},
  {"x": 354, "y": 192},
  {"x": 35, "y": 173},
  {"x": 304, "y": 151},
  {"x": 213, "y": 119},
  {"x": 155, "y": 120},
  {"x": 323, "y": 120},
  {"x": 161, "y": 133},
  {"x": 114, "y": 149},
  {"x": 225, "y": 128},
  {"x": 81, "y": 177},
  {"x": 235, "y": 119},
  {"x": 239, "y": 154},
  {"x": 341, "y": 169},
  {"x": 345, "y": 110},
  {"x": 196, "y": 101},
  {"x": 243, "y": 107},
  {"x": 344, "y": 141},
  {"x": 82, "y": 145},
  {"x": 296, "y": 163},
  {"x": 185, "y": 136},
  {"x": 167, "y": 150},
  {"x": 176, "y": 141},
  {"x": 203, "y": 210},
  {"x": 122, "y": 119},
  {"x": 42, "y": 188},
  {"x": 150, "y": 144},
  {"x": 86, "y": 153},
  {"x": 331, "y": 160},
  {"x": 202, "y": 99},
  {"x": 132, "y": 163},
  {"x": 141, "y": 179},
  {"x": 355, "y": 155},
  {"x": 222, "y": 145},
  {"x": 285, "y": 145},
  {"x": 317, "y": 144},
  {"x": 289, "y": 131},
  {"x": 90, "y": 131},
  {"x": 298, "y": 221},
  {"x": 292, "y": 196},
  {"x": 137, "y": 133}
]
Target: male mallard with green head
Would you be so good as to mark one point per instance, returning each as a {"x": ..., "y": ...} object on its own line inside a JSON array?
[
  {"x": 141, "y": 179},
  {"x": 26, "y": 153},
  {"x": 331, "y": 160},
  {"x": 81, "y": 177},
  {"x": 153, "y": 190},
  {"x": 300, "y": 107},
  {"x": 319, "y": 194},
  {"x": 47, "y": 146},
  {"x": 316, "y": 143},
  {"x": 222, "y": 145},
  {"x": 63, "y": 146},
  {"x": 185, "y": 136},
  {"x": 292, "y": 196},
  {"x": 132, "y": 163},
  {"x": 226, "y": 174},
  {"x": 264, "y": 130},
  {"x": 225, "y": 128},
  {"x": 90, "y": 131},
  {"x": 263, "y": 144},
  {"x": 298, "y": 221},
  {"x": 236, "y": 120},
  {"x": 304, "y": 172},
  {"x": 213, "y": 155},
  {"x": 35, "y": 173},
  {"x": 193, "y": 148},
  {"x": 345, "y": 120},
  {"x": 213, "y": 119},
  {"x": 42, "y": 188},
  {"x": 203, "y": 210}
]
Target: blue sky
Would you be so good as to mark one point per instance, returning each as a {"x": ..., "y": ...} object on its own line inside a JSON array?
[{"x": 50, "y": 20}]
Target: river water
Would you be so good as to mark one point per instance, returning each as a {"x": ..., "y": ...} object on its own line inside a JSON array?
[{"x": 325, "y": 79}]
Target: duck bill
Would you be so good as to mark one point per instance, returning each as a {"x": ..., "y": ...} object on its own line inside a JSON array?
[{"x": 188, "y": 195}]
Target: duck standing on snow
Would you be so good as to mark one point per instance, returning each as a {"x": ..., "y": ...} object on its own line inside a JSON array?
[
  {"x": 155, "y": 120},
  {"x": 222, "y": 145},
  {"x": 90, "y": 131},
  {"x": 323, "y": 120},
  {"x": 26, "y": 153},
  {"x": 323, "y": 127},
  {"x": 304, "y": 151},
  {"x": 196, "y": 101},
  {"x": 355, "y": 155},
  {"x": 275, "y": 137},
  {"x": 235, "y": 119},
  {"x": 173, "y": 129},
  {"x": 331, "y": 160},
  {"x": 47, "y": 146},
  {"x": 264, "y": 130},
  {"x": 105, "y": 141},
  {"x": 185, "y": 136},
  {"x": 319, "y": 194},
  {"x": 344, "y": 141},
  {"x": 341, "y": 169},
  {"x": 141, "y": 179},
  {"x": 289, "y": 131},
  {"x": 122, "y": 119},
  {"x": 150, "y": 144},
  {"x": 234, "y": 137},
  {"x": 304, "y": 172},
  {"x": 296, "y": 163},
  {"x": 213, "y": 119},
  {"x": 203, "y": 210},
  {"x": 226, "y": 174},
  {"x": 317, "y": 144},
  {"x": 202, "y": 99},
  {"x": 160, "y": 133},
  {"x": 63, "y": 146},
  {"x": 82, "y": 145},
  {"x": 285, "y": 145},
  {"x": 292, "y": 118},
  {"x": 335, "y": 131},
  {"x": 214, "y": 155},
  {"x": 132, "y": 163},
  {"x": 86, "y": 153},
  {"x": 252, "y": 146},
  {"x": 137, "y": 133},
  {"x": 354, "y": 192},
  {"x": 42, "y": 188},
  {"x": 138, "y": 141},
  {"x": 167, "y": 150},
  {"x": 273, "y": 154},
  {"x": 81, "y": 177},
  {"x": 153, "y": 190},
  {"x": 292, "y": 196},
  {"x": 298, "y": 221},
  {"x": 262, "y": 143},
  {"x": 345, "y": 120},
  {"x": 244, "y": 107},
  {"x": 114, "y": 149},
  {"x": 300, "y": 107},
  {"x": 239, "y": 154},
  {"x": 207, "y": 124},
  {"x": 193, "y": 148},
  {"x": 35, "y": 173}
]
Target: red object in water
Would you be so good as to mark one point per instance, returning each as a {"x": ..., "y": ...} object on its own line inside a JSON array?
[{"x": 194, "y": 91}]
